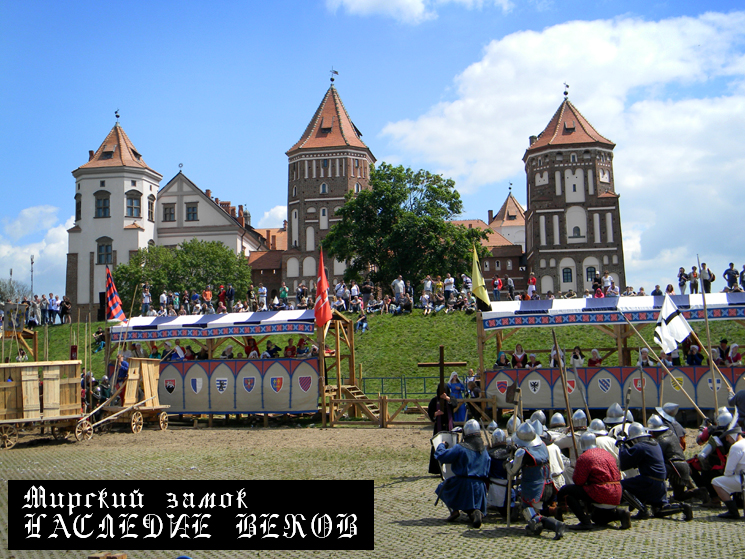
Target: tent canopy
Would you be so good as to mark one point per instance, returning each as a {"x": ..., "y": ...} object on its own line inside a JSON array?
[
  {"x": 609, "y": 310},
  {"x": 208, "y": 326}
]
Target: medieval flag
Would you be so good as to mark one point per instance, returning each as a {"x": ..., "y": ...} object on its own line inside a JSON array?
[
  {"x": 113, "y": 302},
  {"x": 671, "y": 327},
  {"x": 479, "y": 288},
  {"x": 322, "y": 307}
]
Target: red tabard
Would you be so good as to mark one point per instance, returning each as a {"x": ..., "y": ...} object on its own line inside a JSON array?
[{"x": 597, "y": 472}]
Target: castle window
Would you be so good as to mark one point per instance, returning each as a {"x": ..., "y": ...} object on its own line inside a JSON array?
[
  {"x": 78, "y": 186},
  {"x": 590, "y": 274},
  {"x": 573, "y": 158},
  {"x": 294, "y": 191},
  {"x": 151, "y": 208},
  {"x": 324, "y": 188},
  {"x": 169, "y": 212},
  {"x": 78, "y": 207},
  {"x": 134, "y": 204},
  {"x": 102, "y": 204},
  {"x": 566, "y": 275},
  {"x": 324, "y": 163},
  {"x": 357, "y": 163},
  {"x": 576, "y": 232},
  {"x": 509, "y": 264},
  {"x": 497, "y": 265},
  {"x": 103, "y": 251},
  {"x": 191, "y": 212},
  {"x": 486, "y": 265},
  {"x": 134, "y": 183},
  {"x": 102, "y": 184},
  {"x": 357, "y": 188}
]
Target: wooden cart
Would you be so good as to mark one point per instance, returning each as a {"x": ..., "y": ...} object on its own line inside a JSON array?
[
  {"x": 52, "y": 400},
  {"x": 139, "y": 403}
]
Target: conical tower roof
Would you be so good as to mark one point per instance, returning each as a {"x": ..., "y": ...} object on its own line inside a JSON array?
[
  {"x": 330, "y": 127},
  {"x": 511, "y": 213},
  {"x": 117, "y": 150},
  {"x": 567, "y": 128}
]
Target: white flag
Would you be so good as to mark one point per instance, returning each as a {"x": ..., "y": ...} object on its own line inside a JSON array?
[{"x": 671, "y": 327}]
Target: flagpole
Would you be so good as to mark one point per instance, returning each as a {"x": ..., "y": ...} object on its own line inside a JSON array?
[
  {"x": 664, "y": 367},
  {"x": 712, "y": 365}
]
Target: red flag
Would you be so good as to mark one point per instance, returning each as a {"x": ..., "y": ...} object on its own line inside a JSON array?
[
  {"x": 113, "y": 302},
  {"x": 322, "y": 307}
]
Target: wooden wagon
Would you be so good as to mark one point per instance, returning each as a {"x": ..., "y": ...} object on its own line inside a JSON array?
[
  {"x": 40, "y": 395},
  {"x": 139, "y": 399}
]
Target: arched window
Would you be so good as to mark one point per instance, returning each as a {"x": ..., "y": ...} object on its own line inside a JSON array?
[
  {"x": 104, "y": 251},
  {"x": 357, "y": 188},
  {"x": 78, "y": 207},
  {"x": 294, "y": 191},
  {"x": 509, "y": 264},
  {"x": 566, "y": 275},
  {"x": 573, "y": 158},
  {"x": 591, "y": 274},
  {"x": 151, "y": 208},
  {"x": 324, "y": 221},
  {"x": 103, "y": 203},
  {"x": 324, "y": 188},
  {"x": 134, "y": 204},
  {"x": 576, "y": 232},
  {"x": 486, "y": 265}
]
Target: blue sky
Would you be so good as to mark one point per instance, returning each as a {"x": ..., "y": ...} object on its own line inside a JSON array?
[{"x": 452, "y": 86}]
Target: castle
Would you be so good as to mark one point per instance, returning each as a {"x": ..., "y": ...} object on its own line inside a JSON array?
[{"x": 570, "y": 230}]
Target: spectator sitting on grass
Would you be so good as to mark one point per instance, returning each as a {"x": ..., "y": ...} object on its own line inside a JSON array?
[
  {"x": 406, "y": 306},
  {"x": 361, "y": 324}
]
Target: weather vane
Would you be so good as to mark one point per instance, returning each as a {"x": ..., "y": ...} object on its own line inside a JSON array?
[
  {"x": 333, "y": 73},
  {"x": 116, "y": 114},
  {"x": 510, "y": 188},
  {"x": 566, "y": 89}
]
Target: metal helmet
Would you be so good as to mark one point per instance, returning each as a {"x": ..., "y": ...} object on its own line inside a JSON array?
[
  {"x": 614, "y": 414},
  {"x": 557, "y": 420},
  {"x": 512, "y": 424},
  {"x": 668, "y": 411},
  {"x": 537, "y": 426},
  {"x": 540, "y": 416},
  {"x": 499, "y": 437},
  {"x": 586, "y": 442},
  {"x": 636, "y": 431},
  {"x": 579, "y": 419},
  {"x": 629, "y": 417},
  {"x": 492, "y": 427},
  {"x": 656, "y": 424},
  {"x": 526, "y": 436},
  {"x": 471, "y": 427},
  {"x": 597, "y": 428},
  {"x": 724, "y": 417}
]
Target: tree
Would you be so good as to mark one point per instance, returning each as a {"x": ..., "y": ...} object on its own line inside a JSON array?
[
  {"x": 402, "y": 226},
  {"x": 193, "y": 265},
  {"x": 11, "y": 289}
]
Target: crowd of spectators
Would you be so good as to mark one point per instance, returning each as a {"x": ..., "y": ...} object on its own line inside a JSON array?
[
  {"x": 42, "y": 311},
  {"x": 735, "y": 281}
]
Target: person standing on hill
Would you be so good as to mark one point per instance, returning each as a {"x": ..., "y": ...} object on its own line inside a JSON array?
[
  {"x": 706, "y": 278},
  {"x": 731, "y": 275},
  {"x": 682, "y": 280},
  {"x": 398, "y": 286},
  {"x": 693, "y": 276}
]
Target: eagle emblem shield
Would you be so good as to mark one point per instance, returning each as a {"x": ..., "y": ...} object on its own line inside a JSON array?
[{"x": 534, "y": 385}]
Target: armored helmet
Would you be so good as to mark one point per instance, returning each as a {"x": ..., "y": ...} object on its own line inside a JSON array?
[
  {"x": 557, "y": 420},
  {"x": 499, "y": 437},
  {"x": 587, "y": 441},
  {"x": 492, "y": 427},
  {"x": 471, "y": 428},
  {"x": 540, "y": 416},
  {"x": 629, "y": 417},
  {"x": 656, "y": 424},
  {"x": 668, "y": 411},
  {"x": 579, "y": 420},
  {"x": 537, "y": 427},
  {"x": 614, "y": 414},
  {"x": 636, "y": 431},
  {"x": 724, "y": 417},
  {"x": 526, "y": 436},
  {"x": 512, "y": 424},
  {"x": 597, "y": 428}
]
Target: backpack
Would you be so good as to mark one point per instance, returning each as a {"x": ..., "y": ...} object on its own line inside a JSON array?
[{"x": 712, "y": 277}]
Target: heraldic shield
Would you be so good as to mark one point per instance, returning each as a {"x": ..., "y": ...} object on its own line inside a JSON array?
[
  {"x": 248, "y": 383},
  {"x": 170, "y": 385},
  {"x": 276, "y": 383}
]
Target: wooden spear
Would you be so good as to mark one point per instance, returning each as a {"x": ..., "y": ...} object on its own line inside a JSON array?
[{"x": 566, "y": 396}]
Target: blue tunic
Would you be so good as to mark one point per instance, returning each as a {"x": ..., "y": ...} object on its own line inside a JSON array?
[
  {"x": 649, "y": 485},
  {"x": 466, "y": 490},
  {"x": 536, "y": 473},
  {"x": 457, "y": 389}
]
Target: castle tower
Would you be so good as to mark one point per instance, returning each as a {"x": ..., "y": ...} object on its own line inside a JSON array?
[
  {"x": 328, "y": 161},
  {"x": 573, "y": 221},
  {"x": 115, "y": 201}
]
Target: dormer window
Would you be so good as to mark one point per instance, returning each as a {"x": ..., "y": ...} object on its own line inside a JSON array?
[
  {"x": 108, "y": 152},
  {"x": 511, "y": 217},
  {"x": 136, "y": 155},
  {"x": 569, "y": 125}
]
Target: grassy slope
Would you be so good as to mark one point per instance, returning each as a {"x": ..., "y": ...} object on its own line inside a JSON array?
[{"x": 394, "y": 345}]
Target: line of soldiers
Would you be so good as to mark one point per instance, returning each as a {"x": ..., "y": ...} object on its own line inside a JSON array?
[{"x": 622, "y": 466}]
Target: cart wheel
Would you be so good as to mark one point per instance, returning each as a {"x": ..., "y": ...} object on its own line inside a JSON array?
[
  {"x": 163, "y": 421},
  {"x": 136, "y": 422},
  {"x": 60, "y": 434},
  {"x": 8, "y": 436},
  {"x": 83, "y": 430}
]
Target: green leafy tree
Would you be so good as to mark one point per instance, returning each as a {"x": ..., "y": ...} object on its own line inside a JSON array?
[
  {"x": 402, "y": 226},
  {"x": 193, "y": 265}
]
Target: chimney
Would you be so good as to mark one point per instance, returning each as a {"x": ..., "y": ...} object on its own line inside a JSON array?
[
  {"x": 470, "y": 225},
  {"x": 208, "y": 192},
  {"x": 533, "y": 139},
  {"x": 217, "y": 200},
  {"x": 240, "y": 210},
  {"x": 274, "y": 242},
  {"x": 268, "y": 235},
  {"x": 91, "y": 153},
  {"x": 284, "y": 225},
  {"x": 491, "y": 216},
  {"x": 232, "y": 211}
]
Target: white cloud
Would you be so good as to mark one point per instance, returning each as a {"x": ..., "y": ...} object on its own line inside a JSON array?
[
  {"x": 273, "y": 218},
  {"x": 670, "y": 94},
  {"x": 409, "y": 11},
  {"x": 30, "y": 220}
]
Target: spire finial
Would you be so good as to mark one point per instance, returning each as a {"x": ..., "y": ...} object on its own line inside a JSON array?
[
  {"x": 333, "y": 73},
  {"x": 566, "y": 90},
  {"x": 116, "y": 114},
  {"x": 510, "y": 188}
]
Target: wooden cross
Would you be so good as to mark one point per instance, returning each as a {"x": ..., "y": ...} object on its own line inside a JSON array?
[{"x": 441, "y": 363}]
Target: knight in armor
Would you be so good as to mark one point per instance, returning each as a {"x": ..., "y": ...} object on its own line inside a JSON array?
[
  {"x": 539, "y": 416},
  {"x": 500, "y": 453},
  {"x": 602, "y": 439},
  {"x": 709, "y": 463},
  {"x": 466, "y": 490},
  {"x": 536, "y": 486},
  {"x": 597, "y": 480},
  {"x": 732, "y": 480},
  {"x": 579, "y": 423},
  {"x": 440, "y": 411},
  {"x": 512, "y": 424},
  {"x": 614, "y": 420},
  {"x": 667, "y": 413},
  {"x": 557, "y": 462},
  {"x": 639, "y": 450},
  {"x": 678, "y": 470},
  {"x": 557, "y": 426}
]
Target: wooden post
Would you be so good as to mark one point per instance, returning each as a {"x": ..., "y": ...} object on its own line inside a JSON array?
[
  {"x": 338, "y": 360},
  {"x": 708, "y": 356},
  {"x": 618, "y": 334},
  {"x": 562, "y": 370},
  {"x": 441, "y": 364},
  {"x": 644, "y": 399},
  {"x": 481, "y": 347},
  {"x": 352, "y": 362},
  {"x": 383, "y": 411}
]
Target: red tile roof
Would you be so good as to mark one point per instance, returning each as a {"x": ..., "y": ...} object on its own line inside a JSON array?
[
  {"x": 279, "y": 233},
  {"x": 116, "y": 151},
  {"x": 330, "y": 126},
  {"x": 510, "y": 208},
  {"x": 267, "y": 260},
  {"x": 493, "y": 239},
  {"x": 568, "y": 127}
]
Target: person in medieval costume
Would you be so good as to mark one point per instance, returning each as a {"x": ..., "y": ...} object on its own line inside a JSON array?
[
  {"x": 732, "y": 480},
  {"x": 710, "y": 462},
  {"x": 466, "y": 490},
  {"x": 597, "y": 481},
  {"x": 500, "y": 454},
  {"x": 579, "y": 423},
  {"x": 639, "y": 450},
  {"x": 557, "y": 462},
  {"x": 441, "y": 413},
  {"x": 602, "y": 439},
  {"x": 458, "y": 392},
  {"x": 536, "y": 486},
  {"x": 678, "y": 470},
  {"x": 667, "y": 412},
  {"x": 557, "y": 427}
]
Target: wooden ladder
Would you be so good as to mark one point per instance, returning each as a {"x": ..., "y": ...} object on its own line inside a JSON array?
[{"x": 353, "y": 392}]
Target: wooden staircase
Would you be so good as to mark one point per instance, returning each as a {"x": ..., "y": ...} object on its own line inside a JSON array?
[{"x": 352, "y": 392}]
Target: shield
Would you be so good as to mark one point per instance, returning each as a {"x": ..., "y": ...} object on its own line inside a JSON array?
[
  {"x": 501, "y": 386},
  {"x": 276, "y": 383},
  {"x": 534, "y": 385},
  {"x": 196, "y": 385},
  {"x": 571, "y": 385},
  {"x": 170, "y": 385},
  {"x": 604, "y": 384},
  {"x": 719, "y": 384},
  {"x": 676, "y": 385},
  {"x": 305, "y": 383},
  {"x": 248, "y": 383},
  {"x": 640, "y": 383},
  {"x": 221, "y": 384}
]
